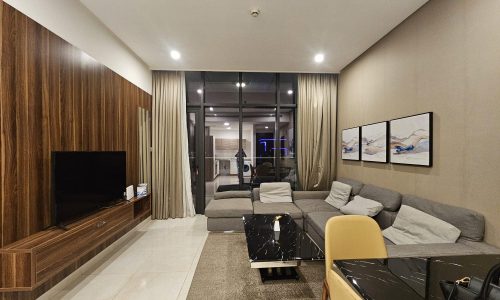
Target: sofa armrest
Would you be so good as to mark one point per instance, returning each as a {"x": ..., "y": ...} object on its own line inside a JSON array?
[{"x": 320, "y": 195}]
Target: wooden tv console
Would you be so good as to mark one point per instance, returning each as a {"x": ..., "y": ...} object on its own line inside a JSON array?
[{"x": 38, "y": 262}]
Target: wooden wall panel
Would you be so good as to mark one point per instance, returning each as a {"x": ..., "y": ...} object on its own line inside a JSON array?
[{"x": 54, "y": 97}]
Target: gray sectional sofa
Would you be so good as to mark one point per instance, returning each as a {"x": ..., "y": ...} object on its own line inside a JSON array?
[{"x": 311, "y": 212}]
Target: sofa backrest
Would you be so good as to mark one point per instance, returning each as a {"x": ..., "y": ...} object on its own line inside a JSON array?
[
  {"x": 391, "y": 200},
  {"x": 470, "y": 223},
  {"x": 356, "y": 185},
  {"x": 256, "y": 194}
]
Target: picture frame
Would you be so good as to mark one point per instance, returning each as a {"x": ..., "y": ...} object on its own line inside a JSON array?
[
  {"x": 411, "y": 140},
  {"x": 350, "y": 143},
  {"x": 374, "y": 142}
]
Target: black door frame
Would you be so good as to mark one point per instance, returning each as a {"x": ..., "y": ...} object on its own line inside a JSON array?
[{"x": 199, "y": 201}]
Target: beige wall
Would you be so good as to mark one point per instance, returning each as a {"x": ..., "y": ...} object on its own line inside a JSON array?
[{"x": 445, "y": 58}]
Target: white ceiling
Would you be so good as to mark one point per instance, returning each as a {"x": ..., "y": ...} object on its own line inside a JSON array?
[{"x": 220, "y": 35}]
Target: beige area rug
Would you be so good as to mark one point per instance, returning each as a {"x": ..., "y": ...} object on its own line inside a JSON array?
[{"x": 223, "y": 272}]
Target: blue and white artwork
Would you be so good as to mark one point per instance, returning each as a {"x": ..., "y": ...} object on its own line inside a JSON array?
[
  {"x": 411, "y": 140},
  {"x": 374, "y": 142},
  {"x": 350, "y": 144}
]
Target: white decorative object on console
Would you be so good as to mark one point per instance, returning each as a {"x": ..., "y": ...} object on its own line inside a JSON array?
[{"x": 129, "y": 193}]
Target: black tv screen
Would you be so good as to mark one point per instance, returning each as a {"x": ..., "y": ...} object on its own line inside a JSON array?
[{"x": 84, "y": 182}]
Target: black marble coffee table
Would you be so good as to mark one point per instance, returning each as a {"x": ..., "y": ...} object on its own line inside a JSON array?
[{"x": 276, "y": 254}]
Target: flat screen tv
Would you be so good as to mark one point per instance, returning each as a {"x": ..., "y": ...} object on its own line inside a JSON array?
[{"x": 84, "y": 182}]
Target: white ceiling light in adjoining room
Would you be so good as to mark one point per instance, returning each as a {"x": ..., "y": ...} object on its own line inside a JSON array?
[
  {"x": 241, "y": 84},
  {"x": 229, "y": 128},
  {"x": 199, "y": 91},
  {"x": 175, "y": 55},
  {"x": 319, "y": 58},
  {"x": 267, "y": 127},
  {"x": 290, "y": 92},
  {"x": 226, "y": 124},
  {"x": 211, "y": 108}
]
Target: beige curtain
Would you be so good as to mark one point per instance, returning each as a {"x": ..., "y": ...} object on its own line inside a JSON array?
[
  {"x": 171, "y": 182},
  {"x": 316, "y": 130}
]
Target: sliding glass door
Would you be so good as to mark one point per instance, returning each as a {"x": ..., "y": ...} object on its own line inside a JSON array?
[{"x": 248, "y": 129}]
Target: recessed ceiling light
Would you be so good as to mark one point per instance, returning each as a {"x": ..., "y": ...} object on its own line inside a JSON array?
[
  {"x": 226, "y": 124},
  {"x": 215, "y": 115},
  {"x": 320, "y": 57},
  {"x": 199, "y": 91},
  {"x": 228, "y": 128},
  {"x": 290, "y": 92},
  {"x": 175, "y": 54},
  {"x": 267, "y": 127},
  {"x": 243, "y": 84},
  {"x": 211, "y": 109},
  {"x": 237, "y": 84}
]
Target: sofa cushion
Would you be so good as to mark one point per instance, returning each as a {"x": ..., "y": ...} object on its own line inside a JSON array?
[
  {"x": 362, "y": 206},
  {"x": 229, "y": 208},
  {"x": 313, "y": 205},
  {"x": 430, "y": 250},
  {"x": 470, "y": 223},
  {"x": 232, "y": 194},
  {"x": 256, "y": 194},
  {"x": 356, "y": 185},
  {"x": 413, "y": 226},
  {"x": 276, "y": 209},
  {"x": 339, "y": 194},
  {"x": 300, "y": 195},
  {"x": 391, "y": 200},
  {"x": 385, "y": 218},
  {"x": 275, "y": 192},
  {"x": 317, "y": 220}
]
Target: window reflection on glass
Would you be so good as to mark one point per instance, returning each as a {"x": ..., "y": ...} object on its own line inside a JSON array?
[
  {"x": 258, "y": 134},
  {"x": 194, "y": 88},
  {"x": 221, "y": 149},
  {"x": 260, "y": 88},
  {"x": 221, "y": 87},
  {"x": 287, "y": 147},
  {"x": 288, "y": 86}
]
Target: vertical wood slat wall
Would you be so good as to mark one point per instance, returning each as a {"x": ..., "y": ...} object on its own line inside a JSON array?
[{"x": 54, "y": 97}]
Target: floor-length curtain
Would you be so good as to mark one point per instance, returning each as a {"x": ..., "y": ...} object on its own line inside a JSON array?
[
  {"x": 171, "y": 182},
  {"x": 316, "y": 130}
]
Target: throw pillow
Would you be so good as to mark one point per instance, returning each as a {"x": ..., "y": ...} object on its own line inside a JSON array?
[
  {"x": 274, "y": 192},
  {"x": 362, "y": 206},
  {"x": 413, "y": 226},
  {"x": 339, "y": 194}
]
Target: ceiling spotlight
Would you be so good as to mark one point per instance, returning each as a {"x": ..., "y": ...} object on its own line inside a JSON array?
[
  {"x": 175, "y": 54},
  {"x": 226, "y": 124},
  {"x": 228, "y": 128},
  {"x": 290, "y": 92},
  {"x": 237, "y": 84},
  {"x": 267, "y": 127},
  {"x": 243, "y": 84},
  {"x": 211, "y": 109},
  {"x": 320, "y": 57},
  {"x": 199, "y": 91}
]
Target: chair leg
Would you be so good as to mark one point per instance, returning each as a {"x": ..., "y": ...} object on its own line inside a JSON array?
[{"x": 326, "y": 292}]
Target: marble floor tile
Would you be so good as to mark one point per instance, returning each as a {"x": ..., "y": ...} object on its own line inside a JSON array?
[{"x": 155, "y": 260}]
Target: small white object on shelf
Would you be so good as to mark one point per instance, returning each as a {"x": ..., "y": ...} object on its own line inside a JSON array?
[{"x": 129, "y": 192}]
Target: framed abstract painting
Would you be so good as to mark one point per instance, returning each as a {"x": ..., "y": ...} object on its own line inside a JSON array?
[
  {"x": 411, "y": 140},
  {"x": 374, "y": 142},
  {"x": 350, "y": 144}
]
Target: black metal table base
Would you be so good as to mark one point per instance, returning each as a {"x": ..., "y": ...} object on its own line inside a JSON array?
[{"x": 285, "y": 273}]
